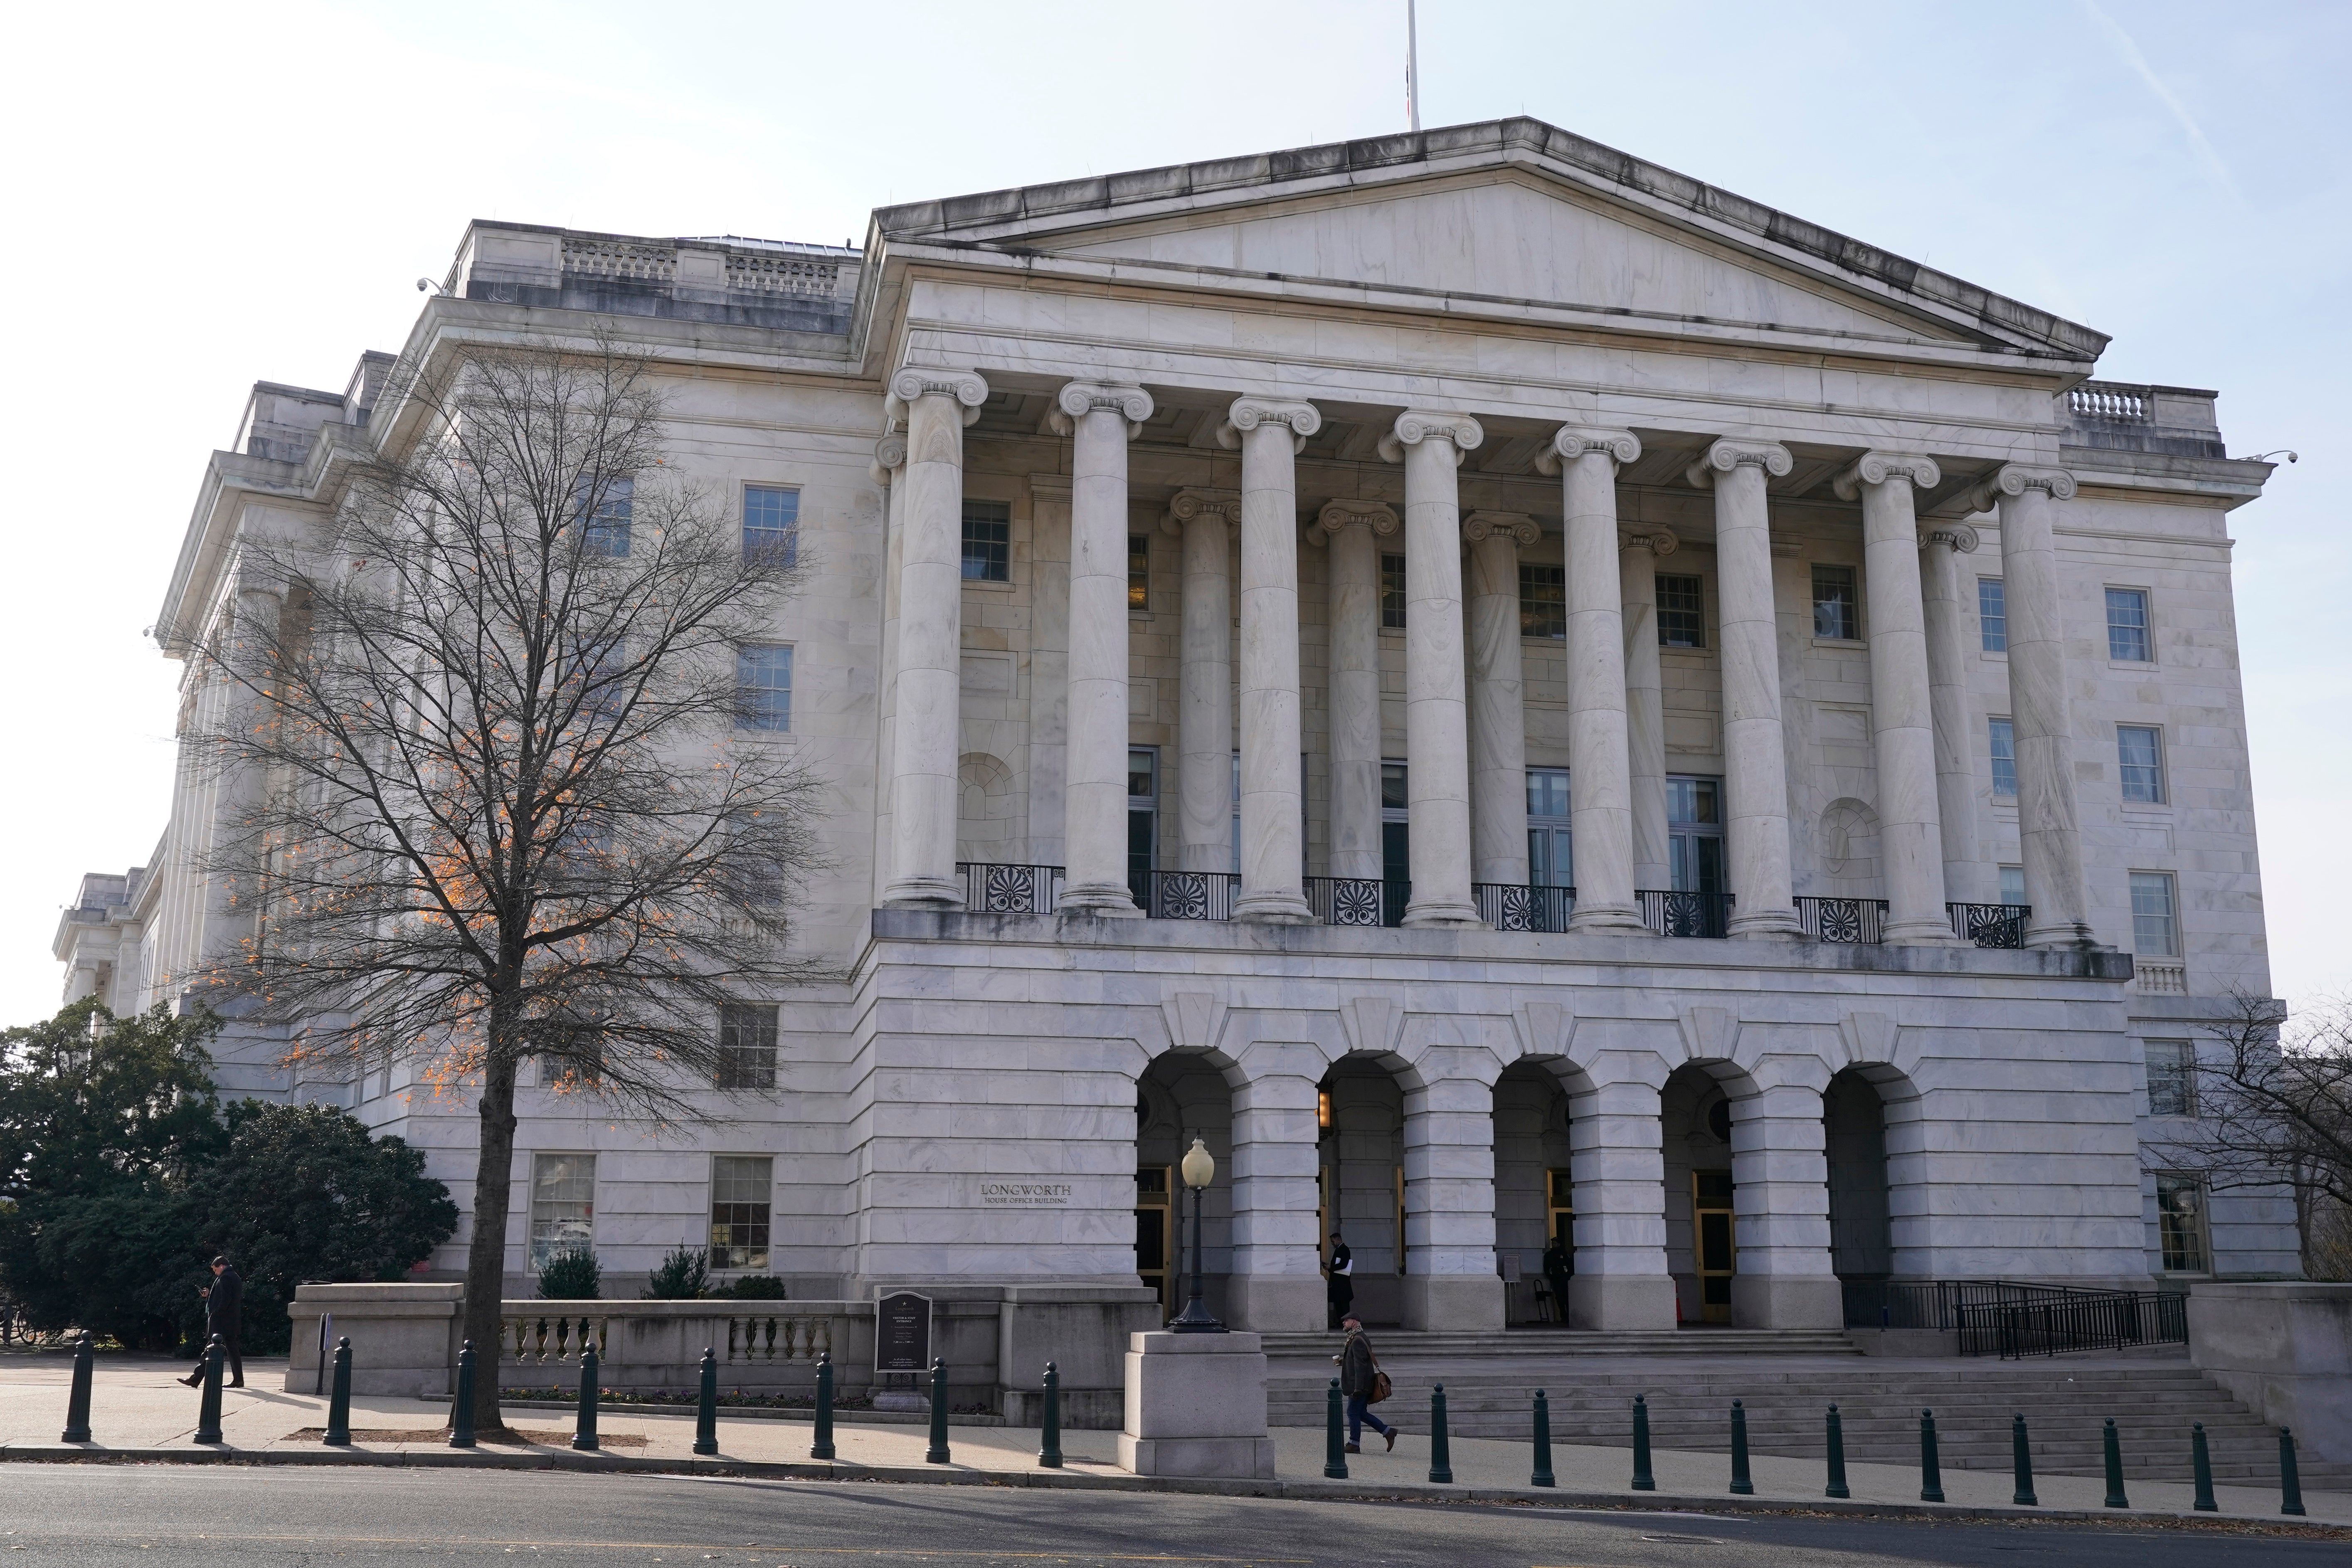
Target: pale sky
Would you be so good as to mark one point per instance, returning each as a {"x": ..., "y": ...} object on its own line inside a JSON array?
[{"x": 199, "y": 198}]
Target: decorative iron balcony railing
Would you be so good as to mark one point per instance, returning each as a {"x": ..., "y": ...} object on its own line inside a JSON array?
[
  {"x": 994, "y": 890},
  {"x": 1991, "y": 925},
  {"x": 1185, "y": 895},
  {"x": 1356, "y": 901},
  {"x": 1855, "y": 922},
  {"x": 1506, "y": 906},
  {"x": 1685, "y": 914}
]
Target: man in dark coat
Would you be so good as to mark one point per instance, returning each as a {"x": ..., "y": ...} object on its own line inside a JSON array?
[
  {"x": 1358, "y": 1369},
  {"x": 1338, "y": 1283},
  {"x": 224, "y": 1315},
  {"x": 1558, "y": 1264}
]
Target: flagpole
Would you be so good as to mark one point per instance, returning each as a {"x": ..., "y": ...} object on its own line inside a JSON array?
[{"x": 1411, "y": 67}]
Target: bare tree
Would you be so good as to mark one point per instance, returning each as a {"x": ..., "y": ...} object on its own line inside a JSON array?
[
  {"x": 2270, "y": 1104},
  {"x": 500, "y": 790}
]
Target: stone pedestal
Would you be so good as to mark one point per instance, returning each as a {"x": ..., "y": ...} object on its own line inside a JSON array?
[
  {"x": 1196, "y": 1407},
  {"x": 404, "y": 1338}
]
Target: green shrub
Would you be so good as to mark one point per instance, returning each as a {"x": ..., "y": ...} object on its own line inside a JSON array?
[
  {"x": 571, "y": 1275},
  {"x": 684, "y": 1276},
  {"x": 756, "y": 1288}
]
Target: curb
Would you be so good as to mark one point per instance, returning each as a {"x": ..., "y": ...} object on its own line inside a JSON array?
[{"x": 1298, "y": 1491}]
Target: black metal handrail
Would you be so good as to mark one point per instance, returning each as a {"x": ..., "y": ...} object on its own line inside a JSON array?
[
  {"x": 1854, "y": 922},
  {"x": 1510, "y": 906},
  {"x": 1991, "y": 925},
  {"x": 1674, "y": 913},
  {"x": 1185, "y": 895},
  {"x": 989, "y": 888},
  {"x": 1997, "y": 1316},
  {"x": 1356, "y": 901}
]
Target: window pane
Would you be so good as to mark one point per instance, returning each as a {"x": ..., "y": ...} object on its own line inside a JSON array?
[
  {"x": 2004, "y": 760},
  {"x": 988, "y": 540},
  {"x": 2138, "y": 767},
  {"x": 741, "y": 1189},
  {"x": 2180, "y": 1223},
  {"x": 1992, "y": 614},
  {"x": 1139, "y": 571},
  {"x": 772, "y": 523},
  {"x": 2012, "y": 884},
  {"x": 1394, "y": 794},
  {"x": 1543, "y": 601},
  {"x": 1682, "y": 618},
  {"x": 1547, "y": 793},
  {"x": 1835, "y": 612},
  {"x": 2155, "y": 930},
  {"x": 764, "y": 687},
  {"x": 1142, "y": 775},
  {"x": 1392, "y": 593},
  {"x": 2127, "y": 626},
  {"x": 2171, "y": 1078},
  {"x": 1691, "y": 801},
  {"x": 562, "y": 1204},
  {"x": 747, "y": 1046},
  {"x": 605, "y": 504}
]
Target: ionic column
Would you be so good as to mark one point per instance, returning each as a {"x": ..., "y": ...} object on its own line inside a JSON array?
[
  {"x": 2048, "y": 821},
  {"x": 887, "y": 471},
  {"x": 1645, "y": 718},
  {"x": 935, "y": 405},
  {"x": 1204, "y": 711},
  {"x": 1354, "y": 530},
  {"x": 233, "y": 858},
  {"x": 1780, "y": 1173},
  {"x": 1599, "y": 761},
  {"x": 1755, "y": 771},
  {"x": 1618, "y": 1163},
  {"x": 1269, "y": 433},
  {"x": 1438, "y": 743},
  {"x": 1498, "y": 707},
  {"x": 1911, "y": 836},
  {"x": 1967, "y": 878}
]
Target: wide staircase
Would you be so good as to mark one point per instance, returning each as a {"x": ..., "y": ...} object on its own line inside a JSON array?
[{"x": 1787, "y": 1382}]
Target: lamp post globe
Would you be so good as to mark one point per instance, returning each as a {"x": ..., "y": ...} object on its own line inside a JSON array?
[{"x": 1199, "y": 1169}]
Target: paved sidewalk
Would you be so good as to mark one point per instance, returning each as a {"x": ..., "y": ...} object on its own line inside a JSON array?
[{"x": 136, "y": 1405}]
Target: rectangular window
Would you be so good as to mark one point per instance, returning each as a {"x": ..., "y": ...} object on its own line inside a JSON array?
[
  {"x": 987, "y": 541},
  {"x": 2156, "y": 921},
  {"x": 743, "y": 1187},
  {"x": 1392, "y": 593},
  {"x": 1837, "y": 611},
  {"x": 562, "y": 1204},
  {"x": 1142, "y": 809},
  {"x": 1543, "y": 600},
  {"x": 2171, "y": 1078},
  {"x": 1992, "y": 614},
  {"x": 2140, "y": 763},
  {"x": 747, "y": 1046},
  {"x": 604, "y": 505},
  {"x": 2012, "y": 884},
  {"x": 1551, "y": 861},
  {"x": 1682, "y": 612},
  {"x": 1139, "y": 571},
  {"x": 2127, "y": 626},
  {"x": 2180, "y": 1223},
  {"x": 2004, "y": 760},
  {"x": 772, "y": 524},
  {"x": 764, "y": 687},
  {"x": 1695, "y": 834}
]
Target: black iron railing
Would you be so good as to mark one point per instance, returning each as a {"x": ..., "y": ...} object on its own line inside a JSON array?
[
  {"x": 1855, "y": 922},
  {"x": 1356, "y": 901},
  {"x": 1995, "y": 1317},
  {"x": 1685, "y": 914},
  {"x": 1991, "y": 925},
  {"x": 1185, "y": 895},
  {"x": 999, "y": 889},
  {"x": 1507, "y": 906}
]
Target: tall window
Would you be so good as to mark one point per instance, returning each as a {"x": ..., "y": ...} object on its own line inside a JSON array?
[
  {"x": 1682, "y": 612},
  {"x": 603, "y": 504},
  {"x": 2171, "y": 1078},
  {"x": 1551, "y": 861},
  {"x": 2004, "y": 759},
  {"x": 1695, "y": 834},
  {"x": 1837, "y": 612},
  {"x": 1396, "y": 824},
  {"x": 772, "y": 523},
  {"x": 1992, "y": 614},
  {"x": 743, "y": 1187},
  {"x": 2139, "y": 762},
  {"x": 1392, "y": 593},
  {"x": 2180, "y": 1224},
  {"x": 1139, "y": 571},
  {"x": 562, "y": 1204},
  {"x": 2127, "y": 626},
  {"x": 2012, "y": 884},
  {"x": 2155, "y": 922},
  {"x": 747, "y": 1046},
  {"x": 987, "y": 541},
  {"x": 1142, "y": 808},
  {"x": 764, "y": 687},
  {"x": 1543, "y": 600}
]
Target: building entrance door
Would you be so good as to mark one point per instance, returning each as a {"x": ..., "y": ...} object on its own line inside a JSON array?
[
  {"x": 1711, "y": 1243},
  {"x": 1154, "y": 1236}
]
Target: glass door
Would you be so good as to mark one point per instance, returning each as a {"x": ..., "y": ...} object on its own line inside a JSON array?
[
  {"x": 1712, "y": 1247},
  {"x": 1155, "y": 1236}
]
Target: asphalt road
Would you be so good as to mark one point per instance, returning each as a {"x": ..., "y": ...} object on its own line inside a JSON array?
[{"x": 216, "y": 1516}]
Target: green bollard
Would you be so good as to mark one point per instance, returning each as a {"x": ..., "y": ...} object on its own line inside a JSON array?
[
  {"x": 1335, "y": 1453},
  {"x": 2115, "y": 1448},
  {"x": 583, "y": 1430},
  {"x": 461, "y": 1409},
  {"x": 1643, "y": 1481},
  {"x": 2290, "y": 1482},
  {"x": 1541, "y": 1474},
  {"x": 208, "y": 1414},
  {"x": 821, "y": 1443},
  {"x": 1931, "y": 1470},
  {"x": 78, "y": 1401},
  {"x": 2022, "y": 1457},
  {"x": 706, "y": 1406},
  {"x": 1837, "y": 1487},
  {"x": 339, "y": 1401},
  {"x": 936, "y": 1454},
  {"x": 1049, "y": 1451},
  {"x": 1441, "y": 1452},
  {"x": 2200, "y": 1466},
  {"x": 1741, "y": 1486}
]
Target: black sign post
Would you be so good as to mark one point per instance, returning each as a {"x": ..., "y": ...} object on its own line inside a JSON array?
[{"x": 902, "y": 1332}]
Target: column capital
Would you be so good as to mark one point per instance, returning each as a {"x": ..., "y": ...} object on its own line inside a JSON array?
[
  {"x": 1189, "y": 503},
  {"x": 1957, "y": 537},
  {"x": 1517, "y": 526},
  {"x": 2015, "y": 479},
  {"x": 1570, "y": 442},
  {"x": 1874, "y": 468},
  {"x": 1079, "y": 398},
  {"x": 911, "y": 382},
  {"x": 1651, "y": 537},
  {"x": 258, "y": 579},
  {"x": 1336, "y": 516},
  {"x": 1729, "y": 453},
  {"x": 889, "y": 454},
  {"x": 1416, "y": 425},
  {"x": 1248, "y": 413}
]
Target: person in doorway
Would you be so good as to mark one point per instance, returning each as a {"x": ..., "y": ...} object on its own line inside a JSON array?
[
  {"x": 224, "y": 1315},
  {"x": 1557, "y": 1266},
  {"x": 1359, "y": 1368},
  {"x": 1339, "y": 1281}
]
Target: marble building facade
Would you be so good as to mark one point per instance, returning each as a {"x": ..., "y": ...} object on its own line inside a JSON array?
[{"x": 1249, "y": 595}]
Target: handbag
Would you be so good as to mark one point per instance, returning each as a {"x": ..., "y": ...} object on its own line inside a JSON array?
[{"x": 1381, "y": 1387}]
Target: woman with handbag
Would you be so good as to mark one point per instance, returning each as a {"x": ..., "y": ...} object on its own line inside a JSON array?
[{"x": 1364, "y": 1385}]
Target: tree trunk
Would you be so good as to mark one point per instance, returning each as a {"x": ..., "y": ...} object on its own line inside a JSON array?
[{"x": 485, "y": 1259}]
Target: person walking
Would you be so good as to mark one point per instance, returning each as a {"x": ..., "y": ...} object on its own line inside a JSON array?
[
  {"x": 1558, "y": 1264},
  {"x": 224, "y": 1315},
  {"x": 1339, "y": 1281},
  {"x": 1360, "y": 1370}
]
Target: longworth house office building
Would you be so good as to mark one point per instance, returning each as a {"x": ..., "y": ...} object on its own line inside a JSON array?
[{"x": 1514, "y": 693}]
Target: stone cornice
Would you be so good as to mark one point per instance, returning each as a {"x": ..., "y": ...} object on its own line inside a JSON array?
[
  {"x": 1416, "y": 425},
  {"x": 1516, "y": 525},
  {"x": 1729, "y": 453},
  {"x": 1377, "y": 516},
  {"x": 1570, "y": 442},
  {"x": 1248, "y": 413},
  {"x": 1189, "y": 503},
  {"x": 1656, "y": 540},
  {"x": 911, "y": 382},
  {"x": 1878, "y": 467},
  {"x": 1079, "y": 398}
]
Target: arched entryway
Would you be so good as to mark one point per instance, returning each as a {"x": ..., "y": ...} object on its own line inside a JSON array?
[
  {"x": 1854, "y": 1136},
  {"x": 1694, "y": 1115},
  {"x": 1535, "y": 1207},
  {"x": 1183, "y": 1096},
  {"x": 1359, "y": 1183}
]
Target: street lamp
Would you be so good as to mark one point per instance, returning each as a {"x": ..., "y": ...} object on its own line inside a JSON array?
[{"x": 1195, "y": 1319}]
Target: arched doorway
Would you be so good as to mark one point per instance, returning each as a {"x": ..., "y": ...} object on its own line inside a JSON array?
[
  {"x": 1854, "y": 1136},
  {"x": 1534, "y": 1204},
  {"x": 1359, "y": 1187},
  {"x": 1695, "y": 1116},
  {"x": 1180, "y": 1097}
]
